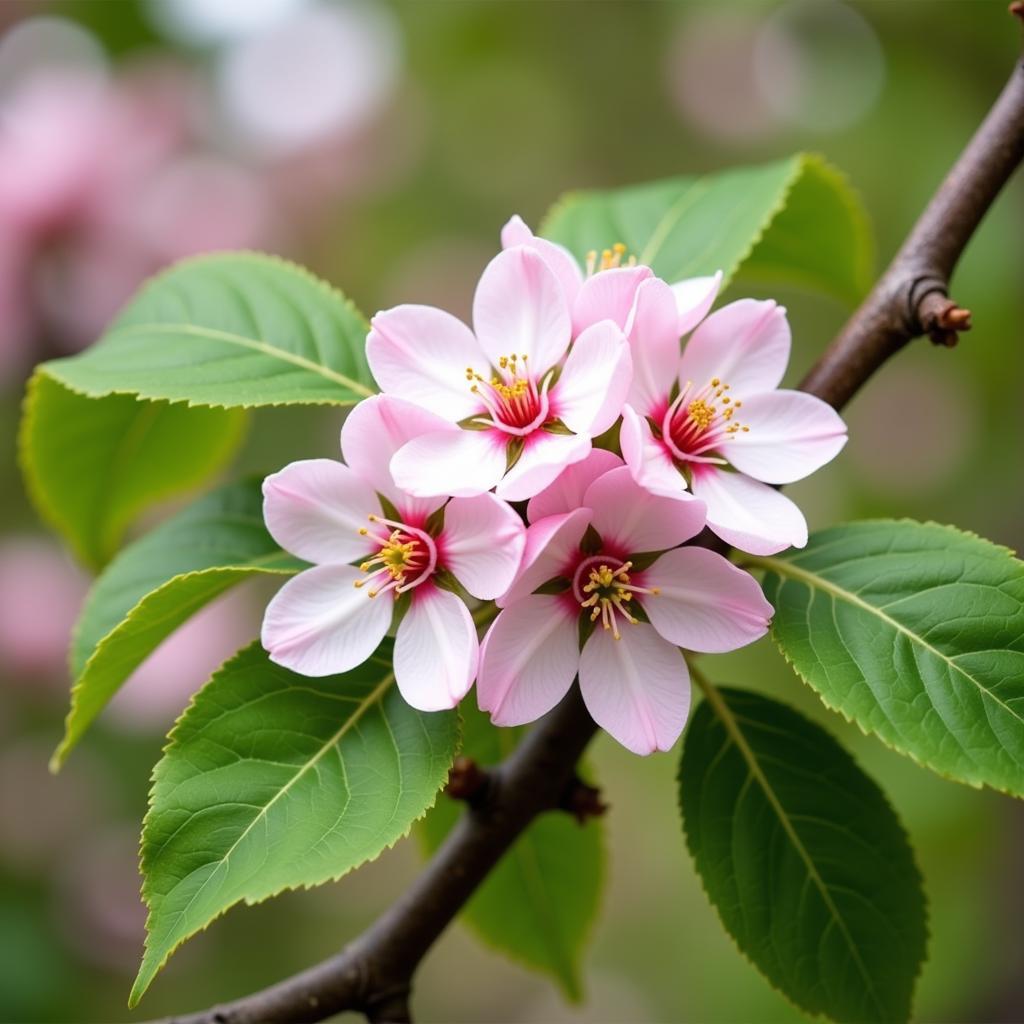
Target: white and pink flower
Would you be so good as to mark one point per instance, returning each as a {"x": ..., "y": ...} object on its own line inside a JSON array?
[
  {"x": 715, "y": 421},
  {"x": 333, "y": 616},
  {"x": 515, "y": 403},
  {"x": 602, "y": 553}
]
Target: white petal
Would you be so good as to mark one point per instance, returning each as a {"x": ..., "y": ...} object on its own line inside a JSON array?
[
  {"x": 565, "y": 492},
  {"x": 482, "y": 544},
  {"x": 597, "y": 373},
  {"x": 436, "y": 650},
  {"x": 543, "y": 457},
  {"x": 316, "y": 508},
  {"x": 631, "y": 520},
  {"x": 552, "y": 549},
  {"x": 748, "y": 514},
  {"x": 458, "y": 462},
  {"x": 528, "y": 659},
  {"x": 421, "y": 354},
  {"x": 706, "y": 603},
  {"x": 694, "y": 297},
  {"x": 319, "y": 623},
  {"x": 649, "y": 460},
  {"x": 520, "y": 309},
  {"x": 637, "y": 688}
]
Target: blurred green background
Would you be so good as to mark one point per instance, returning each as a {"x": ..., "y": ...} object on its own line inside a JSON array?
[{"x": 385, "y": 145}]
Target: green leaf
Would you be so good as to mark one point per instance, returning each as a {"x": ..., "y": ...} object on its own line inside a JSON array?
[
  {"x": 803, "y": 858},
  {"x": 159, "y": 582},
  {"x": 916, "y": 633},
  {"x": 538, "y": 905},
  {"x": 229, "y": 329},
  {"x": 91, "y": 466},
  {"x": 795, "y": 220},
  {"x": 272, "y": 781}
]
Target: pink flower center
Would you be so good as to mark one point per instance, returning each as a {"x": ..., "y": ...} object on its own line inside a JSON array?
[
  {"x": 405, "y": 557},
  {"x": 699, "y": 421},
  {"x": 517, "y": 403},
  {"x": 609, "y": 259},
  {"x": 602, "y": 583}
]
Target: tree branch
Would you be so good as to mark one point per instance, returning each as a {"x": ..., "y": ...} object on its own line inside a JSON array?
[{"x": 373, "y": 974}]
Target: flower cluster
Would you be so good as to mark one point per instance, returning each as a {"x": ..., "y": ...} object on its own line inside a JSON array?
[{"x": 490, "y": 470}]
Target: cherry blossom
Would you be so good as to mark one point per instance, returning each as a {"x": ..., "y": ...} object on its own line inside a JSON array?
[
  {"x": 602, "y": 554},
  {"x": 371, "y": 543},
  {"x": 515, "y": 403},
  {"x": 714, "y": 420}
]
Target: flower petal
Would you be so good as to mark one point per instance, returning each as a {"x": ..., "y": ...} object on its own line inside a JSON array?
[
  {"x": 649, "y": 461},
  {"x": 631, "y": 520},
  {"x": 791, "y": 435},
  {"x": 421, "y": 354},
  {"x": 607, "y": 295},
  {"x": 565, "y": 492},
  {"x": 458, "y": 462},
  {"x": 544, "y": 456},
  {"x": 519, "y": 308},
  {"x": 315, "y": 509},
  {"x": 528, "y": 659},
  {"x": 748, "y": 514},
  {"x": 481, "y": 544},
  {"x": 745, "y": 344},
  {"x": 371, "y": 434},
  {"x": 637, "y": 688},
  {"x": 552, "y": 549},
  {"x": 436, "y": 650},
  {"x": 654, "y": 342},
  {"x": 705, "y": 602},
  {"x": 694, "y": 297},
  {"x": 319, "y": 623},
  {"x": 557, "y": 257},
  {"x": 589, "y": 394}
]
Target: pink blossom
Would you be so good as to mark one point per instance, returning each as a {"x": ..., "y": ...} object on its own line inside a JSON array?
[
  {"x": 715, "y": 421},
  {"x": 590, "y": 560},
  {"x": 606, "y": 288},
  {"x": 515, "y": 404},
  {"x": 332, "y": 617}
]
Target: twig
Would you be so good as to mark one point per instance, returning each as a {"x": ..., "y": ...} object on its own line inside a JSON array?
[{"x": 374, "y": 973}]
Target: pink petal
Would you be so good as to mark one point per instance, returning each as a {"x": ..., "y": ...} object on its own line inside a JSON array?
[
  {"x": 436, "y": 650},
  {"x": 654, "y": 341},
  {"x": 631, "y": 520},
  {"x": 319, "y": 623},
  {"x": 528, "y": 659},
  {"x": 557, "y": 257},
  {"x": 694, "y": 298},
  {"x": 745, "y": 344},
  {"x": 520, "y": 309},
  {"x": 316, "y": 508},
  {"x": 791, "y": 435},
  {"x": 371, "y": 434},
  {"x": 421, "y": 354},
  {"x": 649, "y": 461},
  {"x": 458, "y": 462},
  {"x": 544, "y": 456},
  {"x": 565, "y": 492},
  {"x": 748, "y": 514},
  {"x": 589, "y": 394},
  {"x": 706, "y": 603},
  {"x": 608, "y": 295},
  {"x": 552, "y": 549},
  {"x": 637, "y": 688},
  {"x": 481, "y": 544}
]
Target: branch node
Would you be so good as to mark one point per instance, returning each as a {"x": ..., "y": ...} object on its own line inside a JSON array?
[
  {"x": 942, "y": 319},
  {"x": 468, "y": 781},
  {"x": 582, "y": 801}
]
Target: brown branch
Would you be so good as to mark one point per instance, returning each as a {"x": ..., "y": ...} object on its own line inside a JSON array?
[{"x": 373, "y": 974}]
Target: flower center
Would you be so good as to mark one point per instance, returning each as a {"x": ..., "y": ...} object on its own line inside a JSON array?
[
  {"x": 516, "y": 403},
  {"x": 610, "y": 259},
  {"x": 700, "y": 420},
  {"x": 405, "y": 557},
  {"x": 602, "y": 584}
]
